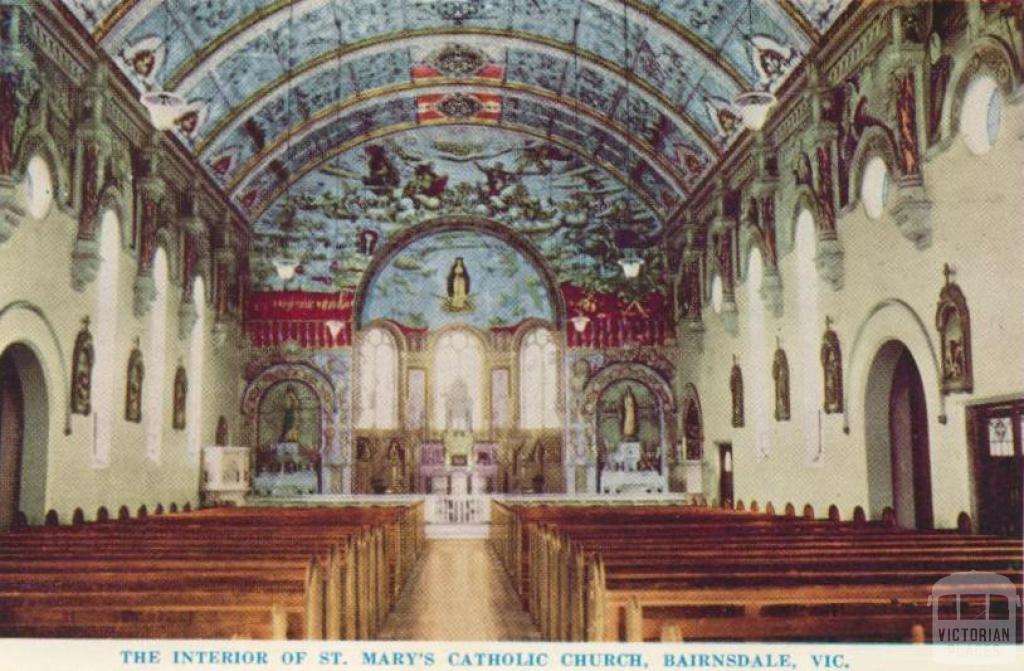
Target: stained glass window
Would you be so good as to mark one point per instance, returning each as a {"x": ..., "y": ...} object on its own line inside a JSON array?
[
  {"x": 458, "y": 382},
  {"x": 538, "y": 381},
  {"x": 1000, "y": 437},
  {"x": 378, "y": 381}
]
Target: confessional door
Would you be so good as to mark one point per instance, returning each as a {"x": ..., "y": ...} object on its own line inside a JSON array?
[
  {"x": 725, "y": 493},
  {"x": 998, "y": 465},
  {"x": 12, "y": 433}
]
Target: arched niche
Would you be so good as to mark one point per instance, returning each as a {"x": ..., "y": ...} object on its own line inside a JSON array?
[
  {"x": 638, "y": 374},
  {"x": 319, "y": 386},
  {"x": 386, "y": 258},
  {"x": 989, "y": 56},
  {"x": 875, "y": 142}
]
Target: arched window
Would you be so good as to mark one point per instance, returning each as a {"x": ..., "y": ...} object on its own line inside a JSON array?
[
  {"x": 806, "y": 401},
  {"x": 874, "y": 187},
  {"x": 38, "y": 185},
  {"x": 155, "y": 374},
  {"x": 538, "y": 381},
  {"x": 981, "y": 114},
  {"x": 104, "y": 405},
  {"x": 378, "y": 380},
  {"x": 458, "y": 382},
  {"x": 716, "y": 293},
  {"x": 195, "y": 368}
]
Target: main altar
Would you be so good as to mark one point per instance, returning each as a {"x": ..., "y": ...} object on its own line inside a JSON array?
[{"x": 458, "y": 465}]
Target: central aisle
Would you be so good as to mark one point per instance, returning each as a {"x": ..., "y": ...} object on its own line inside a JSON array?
[{"x": 460, "y": 593}]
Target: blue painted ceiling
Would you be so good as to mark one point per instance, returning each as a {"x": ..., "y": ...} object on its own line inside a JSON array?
[{"x": 638, "y": 89}]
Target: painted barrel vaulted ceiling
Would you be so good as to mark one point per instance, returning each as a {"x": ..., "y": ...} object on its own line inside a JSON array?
[{"x": 364, "y": 116}]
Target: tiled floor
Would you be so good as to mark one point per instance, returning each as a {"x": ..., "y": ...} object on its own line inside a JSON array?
[{"x": 460, "y": 593}]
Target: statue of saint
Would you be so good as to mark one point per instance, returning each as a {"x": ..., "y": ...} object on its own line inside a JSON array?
[
  {"x": 458, "y": 288},
  {"x": 628, "y": 415},
  {"x": 290, "y": 418}
]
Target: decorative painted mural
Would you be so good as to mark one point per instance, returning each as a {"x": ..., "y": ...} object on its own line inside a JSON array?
[
  {"x": 457, "y": 276},
  {"x": 579, "y": 217},
  {"x": 278, "y": 90}
]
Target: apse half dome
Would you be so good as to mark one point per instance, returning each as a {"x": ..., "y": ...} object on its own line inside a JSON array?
[{"x": 467, "y": 277}]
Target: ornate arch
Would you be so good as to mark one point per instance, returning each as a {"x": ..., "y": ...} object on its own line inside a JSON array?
[
  {"x": 991, "y": 56},
  {"x": 38, "y": 141},
  {"x": 300, "y": 372},
  {"x": 637, "y": 372},
  {"x": 641, "y": 374},
  {"x": 876, "y": 141},
  {"x": 460, "y": 223}
]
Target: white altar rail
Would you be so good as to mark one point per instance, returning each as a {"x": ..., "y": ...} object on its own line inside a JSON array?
[{"x": 455, "y": 509}]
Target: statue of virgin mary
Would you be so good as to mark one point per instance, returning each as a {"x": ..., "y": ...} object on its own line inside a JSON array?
[{"x": 458, "y": 299}]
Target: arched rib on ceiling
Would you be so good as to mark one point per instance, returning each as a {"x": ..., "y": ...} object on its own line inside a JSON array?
[
  {"x": 294, "y": 135},
  {"x": 268, "y": 199},
  {"x": 341, "y": 58}
]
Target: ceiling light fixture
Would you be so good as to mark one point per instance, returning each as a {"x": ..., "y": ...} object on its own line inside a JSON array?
[
  {"x": 334, "y": 327},
  {"x": 580, "y": 323},
  {"x": 164, "y": 108},
  {"x": 753, "y": 106},
  {"x": 631, "y": 263}
]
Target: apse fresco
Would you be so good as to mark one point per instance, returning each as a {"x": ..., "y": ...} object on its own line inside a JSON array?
[
  {"x": 465, "y": 276},
  {"x": 577, "y": 216}
]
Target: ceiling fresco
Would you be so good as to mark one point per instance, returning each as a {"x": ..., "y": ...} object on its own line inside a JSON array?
[
  {"x": 417, "y": 287},
  {"x": 278, "y": 89},
  {"x": 336, "y": 218}
]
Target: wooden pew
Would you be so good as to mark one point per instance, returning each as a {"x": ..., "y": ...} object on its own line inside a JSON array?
[{"x": 670, "y": 573}]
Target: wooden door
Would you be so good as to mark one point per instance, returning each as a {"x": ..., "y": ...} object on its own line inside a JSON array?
[
  {"x": 998, "y": 466},
  {"x": 908, "y": 433},
  {"x": 725, "y": 493},
  {"x": 12, "y": 433}
]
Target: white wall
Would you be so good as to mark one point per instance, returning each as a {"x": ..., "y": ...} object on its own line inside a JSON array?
[
  {"x": 35, "y": 268},
  {"x": 891, "y": 290}
]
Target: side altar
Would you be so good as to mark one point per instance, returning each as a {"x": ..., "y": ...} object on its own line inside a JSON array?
[{"x": 457, "y": 466}]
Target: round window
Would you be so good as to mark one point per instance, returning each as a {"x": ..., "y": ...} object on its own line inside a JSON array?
[
  {"x": 874, "y": 187},
  {"x": 981, "y": 114},
  {"x": 716, "y": 293},
  {"x": 38, "y": 187}
]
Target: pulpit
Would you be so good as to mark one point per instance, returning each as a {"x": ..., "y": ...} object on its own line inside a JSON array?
[{"x": 225, "y": 474}]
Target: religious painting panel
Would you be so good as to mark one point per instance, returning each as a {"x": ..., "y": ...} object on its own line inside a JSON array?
[
  {"x": 780, "y": 375},
  {"x": 133, "y": 387},
  {"x": 179, "y": 399},
  {"x": 953, "y": 321},
  {"x": 82, "y": 361},
  {"x": 832, "y": 369},
  {"x": 736, "y": 393}
]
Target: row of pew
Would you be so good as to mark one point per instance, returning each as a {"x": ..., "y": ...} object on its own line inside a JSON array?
[
  {"x": 673, "y": 572},
  {"x": 249, "y": 573}
]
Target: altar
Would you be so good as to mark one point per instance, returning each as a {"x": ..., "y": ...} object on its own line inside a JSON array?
[
  {"x": 473, "y": 471},
  {"x": 626, "y": 471}
]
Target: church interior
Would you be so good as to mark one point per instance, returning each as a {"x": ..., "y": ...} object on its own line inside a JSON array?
[{"x": 647, "y": 318}]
